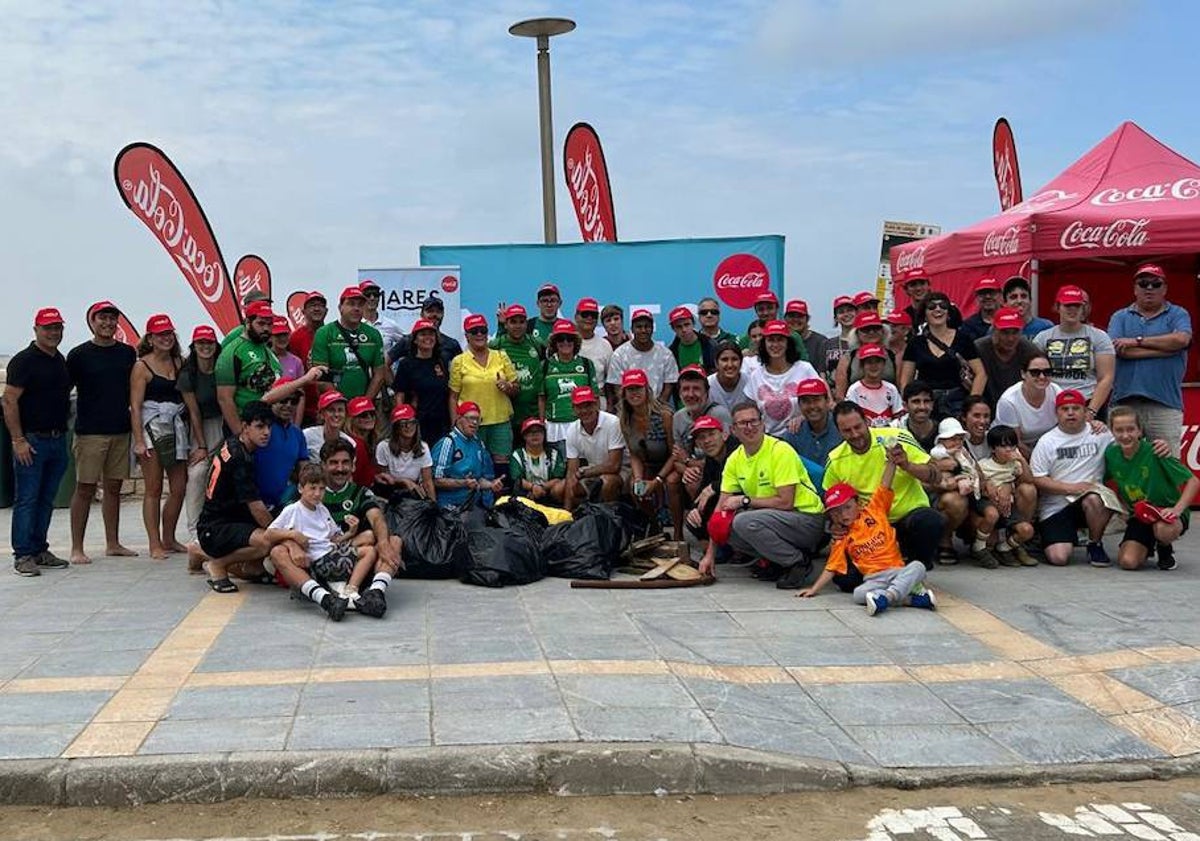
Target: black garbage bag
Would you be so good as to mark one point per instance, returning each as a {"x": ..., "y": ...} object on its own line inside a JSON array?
[
  {"x": 503, "y": 555},
  {"x": 434, "y": 539},
  {"x": 635, "y": 525},
  {"x": 590, "y": 546},
  {"x": 515, "y": 515}
]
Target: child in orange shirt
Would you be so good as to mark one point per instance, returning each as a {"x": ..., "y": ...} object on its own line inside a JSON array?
[{"x": 865, "y": 542}]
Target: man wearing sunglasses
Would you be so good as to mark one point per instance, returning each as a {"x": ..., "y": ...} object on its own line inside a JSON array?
[
  {"x": 709, "y": 311},
  {"x": 1151, "y": 338},
  {"x": 277, "y": 461}
]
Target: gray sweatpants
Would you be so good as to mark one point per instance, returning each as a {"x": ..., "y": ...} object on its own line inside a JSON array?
[
  {"x": 898, "y": 580},
  {"x": 782, "y": 537}
]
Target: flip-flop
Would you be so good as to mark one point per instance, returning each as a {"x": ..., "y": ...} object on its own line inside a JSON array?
[{"x": 221, "y": 585}]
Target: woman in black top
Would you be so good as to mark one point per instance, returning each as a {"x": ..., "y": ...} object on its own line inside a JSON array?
[
  {"x": 423, "y": 382},
  {"x": 935, "y": 356},
  {"x": 198, "y": 385}
]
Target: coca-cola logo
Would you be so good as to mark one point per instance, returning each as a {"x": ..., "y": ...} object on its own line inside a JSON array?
[
  {"x": 587, "y": 182},
  {"x": 1006, "y": 179},
  {"x": 449, "y": 284},
  {"x": 1003, "y": 243},
  {"x": 739, "y": 279},
  {"x": 585, "y": 188},
  {"x": 295, "y": 308},
  {"x": 912, "y": 259},
  {"x": 1189, "y": 447},
  {"x": 1184, "y": 189},
  {"x": 1120, "y": 233}
]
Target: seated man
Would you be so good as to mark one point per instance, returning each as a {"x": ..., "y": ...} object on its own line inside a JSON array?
[
  {"x": 703, "y": 483},
  {"x": 812, "y": 433},
  {"x": 344, "y": 499},
  {"x": 778, "y": 515},
  {"x": 463, "y": 473},
  {"x": 233, "y": 527},
  {"x": 918, "y": 415},
  {"x": 859, "y": 462},
  {"x": 693, "y": 393},
  {"x": 595, "y": 446}
]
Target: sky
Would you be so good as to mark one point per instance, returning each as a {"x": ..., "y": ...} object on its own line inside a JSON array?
[{"x": 327, "y": 136}]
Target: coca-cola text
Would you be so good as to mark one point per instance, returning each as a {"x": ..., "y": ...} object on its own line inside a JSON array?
[
  {"x": 1120, "y": 233},
  {"x": 1184, "y": 189},
  {"x": 739, "y": 279},
  {"x": 1002, "y": 243}
]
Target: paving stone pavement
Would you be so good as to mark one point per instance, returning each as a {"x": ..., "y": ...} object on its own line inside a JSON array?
[{"x": 1018, "y": 666}]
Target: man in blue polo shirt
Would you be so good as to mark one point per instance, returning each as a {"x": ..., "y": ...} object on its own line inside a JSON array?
[
  {"x": 275, "y": 464},
  {"x": 1151, "y": 338},
  {"x": 816, "y": 435}
]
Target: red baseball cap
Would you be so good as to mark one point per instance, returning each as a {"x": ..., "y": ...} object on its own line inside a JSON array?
[
  {"x": 47, "y": 316},
  {"x": 404, "y": 412},
  {"x": 812, "y": 387},
  {"x": 1070, "y": 397},
  {"x": 350, "y": 292},
  {"x": 474, "y": 322},
  {"x": 899, "y": 317},
  {"x": 679, "y": 314},
  {"x": 515, "y": 311},
  {"x": 328, "y": 398},
  {"x": 839, "y": 495},
  {"x": 1150, "y": 269},
  {"x": 280, "y": 326},
  {"x": 367, "y": 283},
  {"x": 314, "y": 296},
  {"x": 776, "y": 328},
  {"x": 634, "y": 377},
  {"x": 719, "y": 526},
  {"x": 640, "y": 314},
  {"x": 707, "y": 422},
  {"x": 562, "y": 327},
  {"x": 796, "y": 307},
  {"x": 766, "y": 298},
  {"x": 160, "y": 323},
  {"x": 102, "y": 306},
  {"x": 915, "y": 274},
  {"x": 530, "y": 423},
  {"x": 583, "y": 394},
  {"x": 869, "y": 318},
  {"x": 1007, "y": 318},
  {"x": 1070, "y": 295},
  {"x": 548, "y": 289},
  {"x": 359, "y": 406},
  {"x": 204, "y": 333},
  {"x": 259, "y": 309},
  {"x": 468, "y": 406},
  {"x": 693, "y": 371},
  {"x": 423, "y": 324},
  {"x": 842, "y": 301},
  {"x": 864, "y": 298},
  {"x": 587, "y": 305},
  {"x": 872, "y": 351},
  {"x": 989, "y": 284}
]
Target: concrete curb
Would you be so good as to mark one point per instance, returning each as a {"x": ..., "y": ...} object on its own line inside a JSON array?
[{"x": 563, "y": 769}]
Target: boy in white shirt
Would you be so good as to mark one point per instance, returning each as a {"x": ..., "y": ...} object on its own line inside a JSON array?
[
  {"x": 319, "y": 546},
  {"x": 879, "y": 399}
]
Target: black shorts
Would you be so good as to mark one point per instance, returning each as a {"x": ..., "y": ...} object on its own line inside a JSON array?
[
  {"x": 1064, "y": 526},
  {"x": 1143, "y": 533},
  {"x": 221, "y": 539}
]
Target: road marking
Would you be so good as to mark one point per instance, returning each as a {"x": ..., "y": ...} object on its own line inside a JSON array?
[{"x": 1110, "y": 819}]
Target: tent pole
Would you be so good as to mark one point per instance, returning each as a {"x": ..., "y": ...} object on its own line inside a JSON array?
[{"x": 1033, "y": 283}]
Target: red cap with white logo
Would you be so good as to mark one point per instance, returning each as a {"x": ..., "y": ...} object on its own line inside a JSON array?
[
  {"x": 515, "y": 311},
  {"x": 812, "y": 387},
  {"x": 776, "y": 328},
  {"x": 864, "y": 298},
  {"x": 587, "y": 305},
  {"x": 583, "y": 394},
  {"x": 351, "y": 292},
  {"x": 988, "y": 284},
  {"x": 47, "y": 316},
  {"x": 796, "y": 307},
  {"x": 868, "y": 318},
  {"x": 474, "y": 322},
  {"x": 280, "y": 326},
  {"x": 204, "y": 333},
  {"x": 766, "y": 298},
  {"x": 404, "y": 412},
  {"x": 634, "y": 377},
  {"x": 160, "y": 323},
  {"x": 640, "y": 314},
  {"x": 1070, "y": 397},
  {"x": 680, "y": 313},
  {"x": 1070, "y": 295},
  {"x": 562, "y": 327},
  {"x": 839, "y": 495},
  {"x": 1150, "y": 269},
  {"x": 872, "y": 352},
  {"x": 359, "y": 406},
  {"x": 842, "y": 301},
  {"x": 707, "y": 422},
  {"x": 328, "y": 398},
  {"x": 1007, "y": 318}
]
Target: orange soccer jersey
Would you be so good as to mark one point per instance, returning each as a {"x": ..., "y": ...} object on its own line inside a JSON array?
[{"x": 871, "y": 541}]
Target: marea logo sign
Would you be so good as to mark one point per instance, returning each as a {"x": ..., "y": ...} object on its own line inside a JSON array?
[{"x": 739, "y": 279}]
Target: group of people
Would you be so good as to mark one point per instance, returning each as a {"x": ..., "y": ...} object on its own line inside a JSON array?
[{"x": 282, "y": 447}]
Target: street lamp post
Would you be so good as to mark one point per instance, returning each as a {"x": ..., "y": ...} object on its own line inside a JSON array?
[{"x": 544, "y": 29}]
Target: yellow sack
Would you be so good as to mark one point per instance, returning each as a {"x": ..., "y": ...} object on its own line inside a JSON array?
[{"x": 553, "y": 515}]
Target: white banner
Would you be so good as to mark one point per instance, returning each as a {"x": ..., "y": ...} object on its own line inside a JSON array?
[
  {"x": 897, "y": 233},
  {"x": 403, "y": 292}
]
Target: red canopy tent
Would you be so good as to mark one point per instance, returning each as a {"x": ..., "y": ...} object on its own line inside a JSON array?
[{"x": 1128, "y": 201}]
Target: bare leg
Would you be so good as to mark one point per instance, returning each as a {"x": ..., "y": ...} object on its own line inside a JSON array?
[
  {"x": 364, "y": 566},
  {"x": 177, "y": 483},
  {"x": 81, "y": 505},
  {"x": 110, "y": 507},
  {"x": 1097, "y": 516},
  {"x": 152, "y": 504},
  {"x": 675, "y": 501}
]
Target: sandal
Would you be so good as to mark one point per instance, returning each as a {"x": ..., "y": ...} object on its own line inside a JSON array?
[
  {"x": 221, "y": 585},
  {"x": 947, "y": 556}
]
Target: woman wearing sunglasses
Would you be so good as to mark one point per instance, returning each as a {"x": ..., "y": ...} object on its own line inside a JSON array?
[
  {"x": 1028, "y": 406},
  {"x": 487, "y": 379},
  {"x": 404, "y": 462},
  {"x": 943, "y": 358}
]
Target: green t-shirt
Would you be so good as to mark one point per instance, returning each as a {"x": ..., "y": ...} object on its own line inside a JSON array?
[
  {"x": 540, "y": 330},
  {"x": 235, "y": 333},
  {"x": 775, "y": 465},
  {"x": 692, "y": 354},
  {"x": 723, "y": 335},
  {"x": 330, "y": 348},
  {"x": 549, "y": 465},
  {"x": 250, "y": 368},
  {"x": 351, "y": 499},
  {"x": 561, "y": 380},
  {"x": 526, "y": 356},
  {"x": 1159, "y": 481}
]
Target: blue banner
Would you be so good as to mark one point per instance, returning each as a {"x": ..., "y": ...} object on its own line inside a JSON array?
[{"x": 658, "y": 274}]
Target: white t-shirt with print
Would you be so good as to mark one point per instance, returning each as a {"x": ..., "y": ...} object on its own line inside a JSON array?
[
  {"x": 600, "y": 352},
  {"x": 1068, "y": 458},
  {"x": 658, "y": 363},
  {"x": 594, "y": 449},
  {"x": 405, "y": 465},
  {"x": 881, "y": 404},
  {"x": 775, "y": 394}
]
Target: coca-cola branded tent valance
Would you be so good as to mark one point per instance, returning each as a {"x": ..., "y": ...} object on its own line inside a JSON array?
[{"x": 1130, "y": 197}]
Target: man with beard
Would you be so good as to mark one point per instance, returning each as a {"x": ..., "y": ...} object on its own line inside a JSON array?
[
  {"x": 918, "y": 415},
  {"x": 351, "y": 349},
  {"x": 315, "y": 308},
  {"x": 1004, "y": 353},
  {"x": 643, "y": 352},
  {"x": 246, "y": 366}
]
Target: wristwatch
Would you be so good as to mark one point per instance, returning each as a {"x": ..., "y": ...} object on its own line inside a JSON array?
[
  {"x": 745, "y": 502},
  {"x": 1139, "y": 340}
]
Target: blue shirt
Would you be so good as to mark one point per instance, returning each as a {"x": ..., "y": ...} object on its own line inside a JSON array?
[
  {"x": 1161, "y": 378},
  {"x": 1035, "y": 326},
  {"x": 810, "y": 445},
  {"x": 458, "y": 457},
  {"x": 274, "y": 463}
]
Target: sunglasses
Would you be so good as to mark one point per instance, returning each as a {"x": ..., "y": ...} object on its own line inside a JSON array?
[
  {"x": 710, "y": 312},
  {"x": 477, "y": 331},
  {"x": 937, "y": 305},
  {"x": 1038, "y": 372},
  {"x": 1150, "y": 284},
  {"x": 591, "y": 315}
]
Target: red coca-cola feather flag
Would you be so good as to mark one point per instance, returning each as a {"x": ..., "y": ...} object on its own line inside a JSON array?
[
  {"x": 295, "y": 308},
  {"x": 252, "y": 273},
  {"x": 588, "y": 184},
  {"x": 1004, "y": 161},
  {"x": 161, "y": 198},
  {"x": 126, "y": 333}
]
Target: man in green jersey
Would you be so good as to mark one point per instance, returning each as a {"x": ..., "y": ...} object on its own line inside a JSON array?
[
  {"x": 236, "y": 332},
  {"x": 549, "y": 299},
  {"x": 526, "y": 355},
  {"x": 351, "y": 349},
  {"x": 246, "y": 367}
]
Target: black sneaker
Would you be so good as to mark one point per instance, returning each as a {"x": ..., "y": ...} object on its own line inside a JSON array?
[
  {"x": 26, "y": 565},
  {"x": 49, "y": 560},
  {"x": 1166, "y": 556},
  {"x": 335, "y": 606},
  {"x": 373, "y": 603},
  {"x": 794, "y": 578}
]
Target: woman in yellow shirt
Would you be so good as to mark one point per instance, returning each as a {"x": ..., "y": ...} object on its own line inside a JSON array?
[{"x": 486, "y": 377}]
